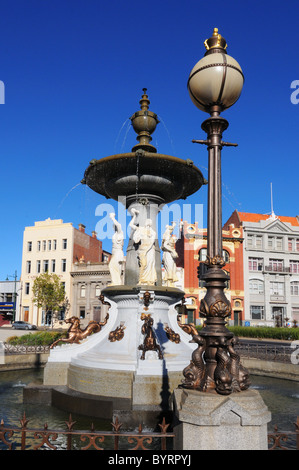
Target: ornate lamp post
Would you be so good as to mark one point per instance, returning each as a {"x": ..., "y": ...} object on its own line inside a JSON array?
[{"x": 215, "y": 84}]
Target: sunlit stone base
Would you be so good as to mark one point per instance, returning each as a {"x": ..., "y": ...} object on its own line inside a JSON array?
[
  {"x": 206, "y": 421},
  {"x": 116, "y": 369}
]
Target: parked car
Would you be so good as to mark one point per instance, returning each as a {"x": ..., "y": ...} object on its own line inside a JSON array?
[{"x": 23, "y": 325}]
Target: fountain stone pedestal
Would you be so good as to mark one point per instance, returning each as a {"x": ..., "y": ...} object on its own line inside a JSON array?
[
  {"x": 110, "y": 365},
  {"x": 207, "y": 421}
]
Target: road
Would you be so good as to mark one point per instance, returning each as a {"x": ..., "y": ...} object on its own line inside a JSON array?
[{"x": 6, "y": 332}]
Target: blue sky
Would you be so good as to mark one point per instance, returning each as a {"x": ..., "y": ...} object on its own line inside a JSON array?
[{"x": 74, "y": 72}]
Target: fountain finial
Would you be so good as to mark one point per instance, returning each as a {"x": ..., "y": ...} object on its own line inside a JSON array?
[
  {"x": 144, "y": 102},
  {"x": 144, "y": 123}
]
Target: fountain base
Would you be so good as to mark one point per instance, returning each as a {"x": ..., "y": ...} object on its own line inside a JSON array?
[{"x": 130, "y": 360}]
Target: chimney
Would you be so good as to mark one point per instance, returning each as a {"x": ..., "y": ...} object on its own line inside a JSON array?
[
  {"x": 82, "y": 228},
  {"x": 94, "y": 234}
]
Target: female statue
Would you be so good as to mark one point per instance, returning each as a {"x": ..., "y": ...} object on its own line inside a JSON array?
[
  {"x": 169, "y": 255},
  {"x": 145, "y": 238},
  {"x": 117, "y": 258}
]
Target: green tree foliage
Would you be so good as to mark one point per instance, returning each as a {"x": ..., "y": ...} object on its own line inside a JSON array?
[{"x": 48, "y": 293}]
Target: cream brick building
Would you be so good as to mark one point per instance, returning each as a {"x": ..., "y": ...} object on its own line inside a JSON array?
[{"x": 53, "y": 246}]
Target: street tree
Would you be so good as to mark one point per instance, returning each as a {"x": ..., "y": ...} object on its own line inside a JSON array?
[{"x": 49, "y": 294}]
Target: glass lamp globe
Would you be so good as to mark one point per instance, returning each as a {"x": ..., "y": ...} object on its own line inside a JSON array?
[{"x": 216, "y": 81}]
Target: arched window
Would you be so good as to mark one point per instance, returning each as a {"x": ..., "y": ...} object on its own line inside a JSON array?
[
  {"x": 256, "y": 286},
  {"x": 82, "y": 290},
  {"x": 295, "y": 288},
  {"x": 98, "y": 290},
  {"x": 225, "y": 255}
]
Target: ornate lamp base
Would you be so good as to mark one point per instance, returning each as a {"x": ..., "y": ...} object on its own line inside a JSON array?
[{"x": 215, "y": 365}]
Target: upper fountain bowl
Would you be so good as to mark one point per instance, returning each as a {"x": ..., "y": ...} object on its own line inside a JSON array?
[{"x": 143, "y": 172}]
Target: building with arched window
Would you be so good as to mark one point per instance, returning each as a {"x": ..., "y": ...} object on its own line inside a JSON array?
[
  {"x": 192, "y": 250},
  {"x": 88, "y": 281}
]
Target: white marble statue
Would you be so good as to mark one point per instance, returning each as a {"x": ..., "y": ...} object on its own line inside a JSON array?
[
  {"x": 117, "y": 258},
  {"x": 145, "y": 238},
  {"x": 169, "y": 256}
]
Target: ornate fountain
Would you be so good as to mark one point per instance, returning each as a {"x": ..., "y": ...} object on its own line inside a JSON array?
[{"x": 137, "y": 358}]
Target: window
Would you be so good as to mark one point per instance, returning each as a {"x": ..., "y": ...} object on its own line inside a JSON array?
[
  {"x": 44, "y": 245},
  {"x": 255, "y": 264},
  {"x": 295, "y": 314},
  {"x": 49, "y": 244},
  {"x": 98, "y": 290},
  {"x": 227, "y": 282},
  {"x": 294, "y": 267},
  {"x": 28, "y": 267},
  {"x": 275, "y": 243},
  {"x": 203, "y": 255},
  {"x": 256, "y": 286},
  {"x": 54, "y": 244},
  {"x": 64, "y": 244},
  {"x": 254, "y": 241},
  {"x": 61, "y": 314},
  {"x": 82, "y": 312},
  {"x": 63, "y": 265},
  {"x": 276, "y": 288},
  {"x": 29, "y": 246},
  {"x": 276, "y": 265},
  {"x": 53, "y": 263},
  {"x": 293, "y": 244},
  {"x": 38, "y": 266},
  {"x": 27, "y": 288},
  {"x": 45, "y": 265},
  {"x": 295, "y": 288},
  {"x": 256, "y": 312},
  {"x": 82, "y": 290},
  {"x": 278, "y": 243},
  {"x": 225, "y": 255},
  {"x": 38, "y": 245}
]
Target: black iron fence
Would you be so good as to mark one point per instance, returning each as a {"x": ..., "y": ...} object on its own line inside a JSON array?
[
  {"x": 254, "y": 349},
  {"x": 25, "y": 438},
  {"x": 266, "y": 351}
]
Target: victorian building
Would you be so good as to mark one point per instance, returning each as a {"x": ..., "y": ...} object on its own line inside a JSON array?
[
  {"x": 271, "y": 267},
  {"x": 192, "y": 251},
  {"x": 88, "y": 280},
  {"x": 54, "y": 246}
]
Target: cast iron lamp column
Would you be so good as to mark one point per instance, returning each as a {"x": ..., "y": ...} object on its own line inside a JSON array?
[{"x": 215, "y": 84}]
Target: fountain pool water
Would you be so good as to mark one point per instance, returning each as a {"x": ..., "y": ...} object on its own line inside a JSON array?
[
  {"x": 281, "y": 397},
  {"x": 12, "y": 407}
]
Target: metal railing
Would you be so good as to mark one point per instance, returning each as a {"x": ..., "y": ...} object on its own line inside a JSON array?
[
  {"x": 266, "y": 351},
  {"x": 284, "y": 440},
  {"x": 25, "y": 349},
  {"x": 71, "y": 439}
]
